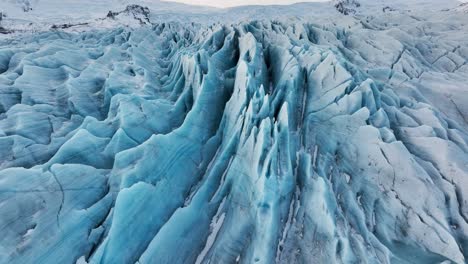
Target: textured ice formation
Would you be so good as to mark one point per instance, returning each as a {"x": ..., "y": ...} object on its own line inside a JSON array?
[{"x": 260, "y": 142}]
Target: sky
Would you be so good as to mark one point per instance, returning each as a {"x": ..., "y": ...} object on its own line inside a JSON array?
[{"x": 230, "y": 3}]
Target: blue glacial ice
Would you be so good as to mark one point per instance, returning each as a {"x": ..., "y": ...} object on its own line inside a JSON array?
[{"x": 258, "y": 142}]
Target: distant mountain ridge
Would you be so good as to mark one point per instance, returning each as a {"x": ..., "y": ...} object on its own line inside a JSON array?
[{"x": 40, "y": 15}]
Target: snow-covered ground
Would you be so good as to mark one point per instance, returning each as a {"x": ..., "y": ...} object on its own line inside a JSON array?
[
  {"x": 168, "y": 133},
  {"x": 40, "y": 15}
]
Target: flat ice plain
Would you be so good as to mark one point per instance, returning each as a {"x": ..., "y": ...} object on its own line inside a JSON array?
[{"x": 179, "y": 134}]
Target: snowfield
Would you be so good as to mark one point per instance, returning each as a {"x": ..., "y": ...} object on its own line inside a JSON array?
[{"x": 165, "y": 133}]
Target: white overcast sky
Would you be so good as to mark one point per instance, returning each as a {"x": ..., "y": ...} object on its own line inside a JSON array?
[{"x": 229, "y": 3}]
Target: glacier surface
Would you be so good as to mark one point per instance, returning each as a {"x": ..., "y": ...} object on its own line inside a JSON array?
[{"x": 273, "y": 141}]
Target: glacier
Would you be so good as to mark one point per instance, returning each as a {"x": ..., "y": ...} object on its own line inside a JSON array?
[{"x": 265, "y": 141}]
